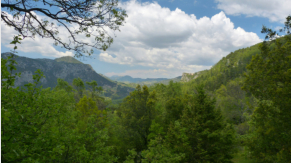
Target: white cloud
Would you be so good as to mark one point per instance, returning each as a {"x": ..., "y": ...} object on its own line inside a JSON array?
[
  {"x": 43, "y": 46},
  {"x": 173, "y": 40},
  {"x": 159, "y": 38},
  {"x": 274, "y": 10},
  {"x": 40, "y": 45}
]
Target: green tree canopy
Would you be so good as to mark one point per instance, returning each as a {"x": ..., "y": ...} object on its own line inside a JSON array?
[
  {"x": 44, "y": 125},
  {"x": 137, "y": 112},
  {"x": 79, "y": 86},
  {"x": 269, "y": 80},
  {"x": 201, "y": 134},
  {"x": 93, "y": 86}
]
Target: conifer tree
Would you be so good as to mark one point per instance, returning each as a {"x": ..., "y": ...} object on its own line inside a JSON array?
[
  {"x": 201, "y": 134},
  {"x": 269, "y": 80}
]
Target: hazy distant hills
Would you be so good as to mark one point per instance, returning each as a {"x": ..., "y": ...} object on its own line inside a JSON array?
[
  {"x": 130, "y": 79},
  {"x": 66, "y": 68},
  {"x": 176, "y": 79},
  {"x": 148, "y": 81}
]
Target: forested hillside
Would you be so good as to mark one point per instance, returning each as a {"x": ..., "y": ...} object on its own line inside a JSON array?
[
  {"x": 238, "y": 111},
  {"x": 66, "y": 68},
  {"x": 228, "y": 68}
]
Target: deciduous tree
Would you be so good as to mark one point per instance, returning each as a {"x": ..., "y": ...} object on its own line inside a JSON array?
[
  {"x": 269, "y": 80},
  {"x": 44, "y": 18}
]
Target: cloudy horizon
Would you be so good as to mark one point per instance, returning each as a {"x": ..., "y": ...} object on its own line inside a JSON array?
[{"x": 161, "y": 40}]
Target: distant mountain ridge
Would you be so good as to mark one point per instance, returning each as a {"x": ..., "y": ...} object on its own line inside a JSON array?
[
  {"x": 54, "y": 69},
  {"x": 176, "y": 79},
  {"x": 130, "y": 79},
  {"x": 66, "y": 68},
  {"x": 68, "y": 59}
]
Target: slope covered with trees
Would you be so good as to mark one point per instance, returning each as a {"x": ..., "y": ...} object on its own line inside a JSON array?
[
  {"x": 66, "y": 68},
  {"x": 244, "y": 114}
]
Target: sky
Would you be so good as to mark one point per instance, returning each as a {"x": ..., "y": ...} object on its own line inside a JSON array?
[{"x": 164, "y": 38}]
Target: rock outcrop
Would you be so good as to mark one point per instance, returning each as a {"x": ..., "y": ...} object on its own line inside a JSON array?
[{"x": 189, "y": 76}]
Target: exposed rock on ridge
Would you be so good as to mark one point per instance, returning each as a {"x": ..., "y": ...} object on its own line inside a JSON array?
[{"x": 189, "y": 76}]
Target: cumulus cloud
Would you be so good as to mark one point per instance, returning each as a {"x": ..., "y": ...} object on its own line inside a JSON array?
[
  {"x": 38, "y": 45},
  {"x": 158, "y": 37},
  {"x": 43, "y": 46},
  {"x": 275, "y": 11}
]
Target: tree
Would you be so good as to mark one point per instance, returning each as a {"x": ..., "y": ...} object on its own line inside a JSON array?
[
  {"x": 158, "y": 149},
  {"x": 87, "y": 107},
  {"x": 233, "y": 101},
  {"x": 270, "y": 34},
  {"x": 42, "y": 125},
  {"x": 157, "y": 152},
  {"x": 269, "y": 80},
  {"x": 201, "y": 134},
  {"x": 94, "y": 88},
  {"x": 79, "y": 86},
  {"x": 62, "y": 84},
  {"x": 32, "y": 120},
  {"x": 137, "y": 112},
  {"x": 88, "y": 17},
  {"x": 174, "y": 108}
]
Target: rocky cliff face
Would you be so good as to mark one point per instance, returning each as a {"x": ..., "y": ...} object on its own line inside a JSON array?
[
  {"x": 189, "y": 76},
  {"x": 53, "y": 70}
]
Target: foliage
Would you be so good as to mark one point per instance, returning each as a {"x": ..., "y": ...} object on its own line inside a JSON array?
[
  {"x": 269, "y": 80},
  {"x": 137, "y": 111},
  {"x": 89, "y": 16},
  {"x": 157, "y": 152},
  {"x": 271, "y": 35},
  {"x": 269, "y": 73},
  {"x": 201, "y": 132},
  {"x": 228, "y": 68},
  {"x": 43, "y": 125},
  {"x": 94, "y": 88},
  {"x": 234, "y": 102},
  {"x": 178, "y": 122},
  {"x": 62, "y": 84},
  {"x": 79, "y": 86}
]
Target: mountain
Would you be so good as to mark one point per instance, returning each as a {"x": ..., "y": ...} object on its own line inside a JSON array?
[
  {"x": 66, "y": 68},
  {"x": 68, "y": 59},
  {"x": 228, "y": 68},
  {"x": 130, "y": 79},
  {"x": 189, "y": 76},
  {"x": 176, "y": 79}
]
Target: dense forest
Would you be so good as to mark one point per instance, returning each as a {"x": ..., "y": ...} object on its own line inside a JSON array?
[{"x": 239, "y": 110}]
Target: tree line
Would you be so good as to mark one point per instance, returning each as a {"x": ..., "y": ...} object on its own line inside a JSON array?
[{"x": 178, "y": 122}]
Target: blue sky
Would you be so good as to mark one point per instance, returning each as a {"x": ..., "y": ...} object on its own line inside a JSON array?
[{"x": 165, "y": 38}]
